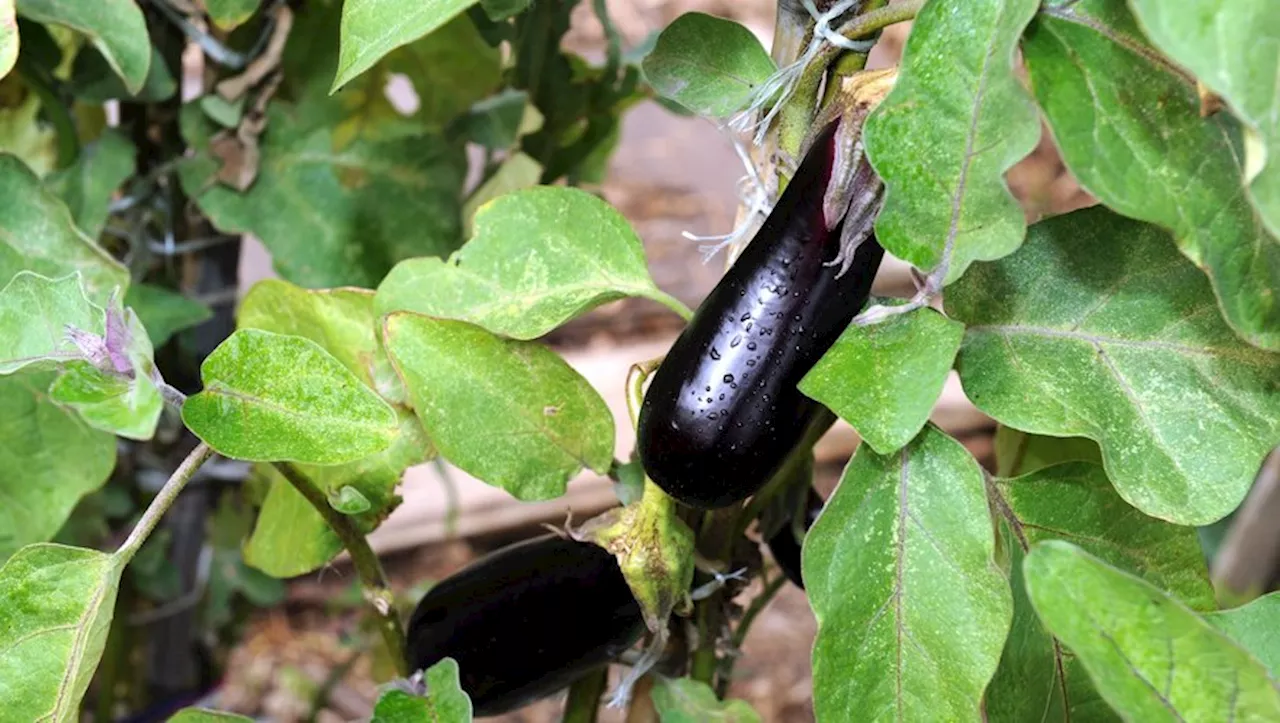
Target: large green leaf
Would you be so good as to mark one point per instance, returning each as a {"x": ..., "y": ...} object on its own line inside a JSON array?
[
  {"x": 912, "y": 610},
  {"x": 37, "y": 234},
  {"x": 334, "y": 217},
  {"x": 1231, "y": 46},
  {"x": 34, "y": 315},
  {"x": 943, "y": 138},
  {"x": 510, "y": 413},
  {"x": 1150, "y": 657},
  {"x": 163, "y": 312},
  {"x": 685, "y": 700},
  {"x": 707, "y": 64},
  {"x": 1128, "y": 124},
  {"x": 1097, "y": 327},
  {"x": 539, "y": 258},
  {"x": 272, "y": 397},
  {"x": 228, "y": 14},
  {"x": 8, "y": 37},
  {"x": 87, "y": 185},
  {"x": 1255, "y": 627},
  {"x": 116, "y": 28},
  {"x": 373, "y": 28},
  {"x": 884, "y": 378},
  {"x": 444, "y": 702},
  {"x": 49, "y": 460},
  {"x": 56, "y": 604}
]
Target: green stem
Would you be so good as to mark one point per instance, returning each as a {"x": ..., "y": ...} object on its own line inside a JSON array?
[
  {"x": 583, "y": 703},
  {"x": 760, "y": 602},
  {"x": 869, "y": 23},
  {"x": 373, "y": 580},
  {"x": 163, "y": 501}
]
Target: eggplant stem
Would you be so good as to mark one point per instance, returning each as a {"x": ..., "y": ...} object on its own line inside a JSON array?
[{"x": 758, "y": 604}]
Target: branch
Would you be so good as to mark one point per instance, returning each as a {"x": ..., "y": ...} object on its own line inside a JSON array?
[{"x": 163, "y": 501}]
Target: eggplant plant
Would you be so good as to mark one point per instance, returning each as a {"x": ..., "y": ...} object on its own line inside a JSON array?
[{"x": 171, "y": 449}]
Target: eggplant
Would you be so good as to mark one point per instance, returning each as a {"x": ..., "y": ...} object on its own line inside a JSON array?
[
  {"x": 785, "y": 545},
  {"x": 526, "y": 621},
  {"x": 722, "y": 411}
]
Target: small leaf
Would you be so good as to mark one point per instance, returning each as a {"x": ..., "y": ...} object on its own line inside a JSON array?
[
  {"x": 1128, "y": 124},
  {"x": 507, "y": 412},
  {"x": 685, "y": 700},
  {"x": 373, "y": 28},
  {"x": 349, "y": 501},
  {"x": 37, "y": 234},
  {"x": 204, "y": 715},
  {"x": 272, "y": 397},
  {"x": 444, "y": 701},
  {"x": 34, "y": 315},
  {"x": 163, "y": 312},
  {"x": 230, "y": 14},
  {"x": 226, "y": 113},
  {"x": 40, "y": 481},
  {"x": 1098, "y": 328},
  {"x": 1151, "y": 658},
  {"x": 8, "y": 37},
  {"x": 1255, "y": 627},
  {"x": 884, "y": 379},
  {"x": 912, "y": 610},
  {"x": 87, "y": 185},
  {"x": 496, "y": 122},
  {"x": 539, "y": 258},
  {"x": 116, "y": 28},
  {"x": 707, "y": 64},
  {"x": 956, "y": 121},
  {"x": 56, "y": 604}
]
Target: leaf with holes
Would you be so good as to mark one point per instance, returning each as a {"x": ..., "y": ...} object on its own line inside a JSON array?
[
  {"x": 1098, "y": 328},
  {"x": 685, "y": 700},
  {"x": 56, "y": 604},
  {"x": 707, "y": 64},
  {"x": 88, "y": 184},
  {"x": 1150, "y": 657},
  {"x": 510, "y": 413},
  {"x": 956, "y": 120},
  {"x": 585, "y": 255},
  {"x": 444, "y": 702},
  {"x": 116, "y": 28},
  {"x": 884, "y": 379},
  {"x": 271, "y": 397},
  {"x": 8, "y": 37},
  {"x": 912, "y": 610},
  {"x": 1255, "y": 627},
  {"x": 1129, "y": 127},
  {"x": 373, "y": 28},
  {"x": 34, "y": 315}
]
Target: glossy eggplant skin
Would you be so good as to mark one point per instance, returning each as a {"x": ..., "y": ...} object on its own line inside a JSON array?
[
  {"x": 526, "y": 621},
  {"x": 722, "y": 412},
  {"x": 785, "y": 546}
]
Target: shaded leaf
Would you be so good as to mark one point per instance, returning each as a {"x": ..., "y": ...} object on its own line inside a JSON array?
[
  {"x": 884, "y": 378},
  {"x": 955, "y": 122},
  {"x": 503, "y": 9},
  {"x": 94, "y": 81},
  {"x": 510, "y": 413},
  {"x": 1150, "y": 657},
  {"x": 1254, "y": 626},
  {"x": 901, "y": 534},
  {"x": 516, "y": 173},
  {"x": 1020, "y": 453},
  {"x": 707, "y": 64},
  {"x": 87, "y": 185},
  {"x": 8, "y": 37},
  {"x": 270, "y": 397},
  {"x": 56, "y": 604},
  {"x": 373, "y": 28},
  {"x": 229, "y": 14},
  {"x": 1098, "y": 328},
  {"x": 539, "y": 258},
  {"x": 444, "y": 701},
  {"x": 37, "y": 234},
  {"x": 163, "y": 312},
  {"x": 497, "y": 121},
  {"x": 1128, "y": 124},
  {"x": 34, "y": 314},
  {"x": 116, "y": 28},
  {"x": 40, "y": 482},
  {"x": 685, "y": 700}
]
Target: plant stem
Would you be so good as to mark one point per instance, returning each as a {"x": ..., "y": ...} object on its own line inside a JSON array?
[
  {"x": 373, "y": 580},
  {"x": 583, "y": 704},
  {"x": 760, "y": 602},
  {"x": 163, "y": 501},
  {"x": 871, "y": 22}
]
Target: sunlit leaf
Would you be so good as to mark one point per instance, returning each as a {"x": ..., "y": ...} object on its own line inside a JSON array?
[
  {"x": 685, "y": 700},
  {"x": 707, "y": 64},
  {"x": 34, "y": 315},
  {"x": 444, "y": 701},
  {"x": 8, "y": 37},
  {"x": 373, "y": 28}
]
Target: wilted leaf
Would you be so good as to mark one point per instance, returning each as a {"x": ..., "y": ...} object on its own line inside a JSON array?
[
  {"x": 34, "y": 315},
  {"x": 444, "y": 701},
  {"x": 1255, "y": 627},
  {"x": 685, "y": 700},
  {"x": 373, "y": 28},
  {"x": 163, "y": 312},
  {"x": 88, "y": 184},
  {"x": 707, "y": 64},
  {"x": 116, "y": 28}
]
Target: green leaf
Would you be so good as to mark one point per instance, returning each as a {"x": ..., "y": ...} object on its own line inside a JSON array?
[
  {"x": 37, "y": 234},
  {"x": 34, "y": 315},
  {"x": 271, "y": 397},
  {"x": 94, "y": 81},
  {"x": 884, "y": 379},
  {"x": 290, "y": 538},
  {"x": 41, "y": 481},
  {"x": 373, "y": 28},
  {"x": 1100, "y": 85},
  {"x": 230, "y": 14},
  {"x": 1020, "y": 453},
  {"x": 8, "y": 37},
  {"x": 349, "y": 501},
  {"x": 1230, "y": 46},
  {"x": 116, "y": 28},
  {"x": 707, "y": 64},
  {"x": 510, "y": 413},
  {"x": 87, "y": 185},
  {"x": 204, "y": 715},
  {"x": 226, "y": 113},
  {"x": 1254, "y": 627},
  {"x": 912, "y": 610},
  {"x": 516, "y": 173},
  {"x": 56, "y": 604},
  {"x": 451, "y": 69},
  {"x": 23, "y": 132},
  {"x": 1098, "y": 328},
  {"x": 503, "y": 9},
  {"x": 334, "y": 217},
  {"x": 498, "y": 121},
  {"x": 539, "y": 258},
  {"x": 163, "y": 312},
  {"x": 685, "y": 700},
  {"x": 444, "y": 702},
  {"x": 1151, "y": 658},
  {"x": 955, "y": 122}
]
